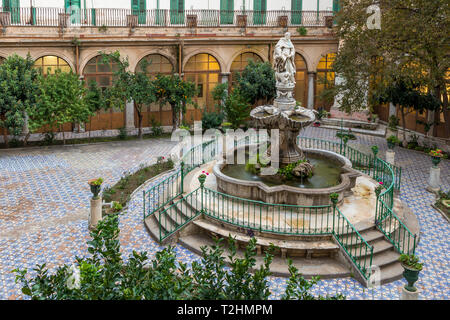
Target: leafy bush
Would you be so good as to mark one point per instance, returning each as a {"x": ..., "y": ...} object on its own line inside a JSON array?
[
  {"x": 157, "y": 129},
  {"x": 393, "y": 122},
  {"x": 257, "y": 82},
  {"x": 123, "y": 133},
  {"x": 104, "y": 275},
  {"x": 211, "y": 120},
  {"x": 236, "y": 108},
  {"x": 302, "y": 31}
]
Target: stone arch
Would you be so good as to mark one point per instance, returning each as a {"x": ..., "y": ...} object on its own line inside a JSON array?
[
  {"x": 309, "y": 65},
  {"x": 43, "y": 53},
  {"x": 89, "y": 56},
  {"x": 163, "y": 53},
  {"x": 245, "y": 50},
  {"x": 219, "y": 59},
  {"x": 319, "y": 57}
]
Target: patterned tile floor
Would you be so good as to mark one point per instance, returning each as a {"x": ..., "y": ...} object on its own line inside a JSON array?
[{"x": 44, "y": 206}]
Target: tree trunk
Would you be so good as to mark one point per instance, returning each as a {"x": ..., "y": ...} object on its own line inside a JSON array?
[
  {"x": 446, "y": 112},
  {"x": 25, "y": 140},
  {"x": 174, "y": 119},
  {"x": 140, "y": 116},
  {"x": 402, "y": 111},
  {"x": 61, "y": 128},
  {"x": 5, "y": 137}
]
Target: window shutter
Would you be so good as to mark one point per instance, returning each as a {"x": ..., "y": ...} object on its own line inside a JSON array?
[{"x": 296, "y": 7}]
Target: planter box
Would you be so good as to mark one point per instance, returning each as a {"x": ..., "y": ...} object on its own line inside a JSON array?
[
  {"x": 132, "y": 20},
  {"x": 5, "y": 19},
  {"x": 242, "y": 20},
  {"x": 63, "y": 19},
  {"x": 329, "y": 21},
  {"x": 283, "y": 21},
  {"x": 191, "y": 21}
]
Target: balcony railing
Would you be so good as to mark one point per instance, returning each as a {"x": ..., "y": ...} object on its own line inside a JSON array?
[{"x": 56, "y": 17}]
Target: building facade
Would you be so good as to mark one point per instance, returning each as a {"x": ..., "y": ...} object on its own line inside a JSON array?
[{"x": 205, "y": 41}]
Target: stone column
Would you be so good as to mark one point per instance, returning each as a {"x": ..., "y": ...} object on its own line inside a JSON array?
[
  {"x": 390, "y": 156},
  {"x": 392, "y": 109},
  {"x": 95, "y": 214},
  {"x": 311, "y": 90},
  {"x": 338, "y": 98},
  {"x": 129, "y": 116},
  {"x": 225, "y": 77},
  {"x": 434, "y": 181},
  {"x": 408, "y": 295}
]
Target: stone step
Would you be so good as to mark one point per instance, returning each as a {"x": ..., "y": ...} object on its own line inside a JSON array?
[
  {"x": 384, "y": 258},
  {"x": 287, "y": 247},
  {"x": 368, "y": 235},
  {"x": 324, "y": 267},
  {"x": 379, "y": 246},
  {"x": 152, "y": 227},
  {"x": 391, "y": 272}
]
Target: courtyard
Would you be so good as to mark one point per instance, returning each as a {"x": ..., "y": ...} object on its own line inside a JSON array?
[{"x": 44, "y": 207}]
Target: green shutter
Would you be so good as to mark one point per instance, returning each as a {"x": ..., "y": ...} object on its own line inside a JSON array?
[
  {"x": 226, "y": 11},
  {"x": 177, "y": 11},
  {"x": 336, "y": 6},
  {"x": 159, "y": 15},
  {"x": 259, "y": 11},
  {"x": 93, "y": 17},
  {"x": 296, "y": 9},
  {"x": 138, "y": 8},
  {"x": 12, "y": 6},
  {"x": 73, "y": 7}
]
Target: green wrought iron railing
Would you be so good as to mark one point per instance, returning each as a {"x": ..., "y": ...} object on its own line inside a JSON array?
[
  {"x": 176, "y": 215},
  {"x": 168, "y": 199},
  {"x": 268, "y": 217},
  {"x": 351, "y": 241}
]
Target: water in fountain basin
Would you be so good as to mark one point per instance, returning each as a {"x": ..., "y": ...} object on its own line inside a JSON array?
[{"x": 326, "y": 174}]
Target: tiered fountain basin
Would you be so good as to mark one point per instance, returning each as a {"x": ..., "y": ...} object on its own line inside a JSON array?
[{"x": 333, "y": 173}]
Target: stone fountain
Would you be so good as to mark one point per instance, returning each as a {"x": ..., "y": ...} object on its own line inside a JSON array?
[
  {"x": 317, "y": 173},
  {"x": 285, "y": 114}
]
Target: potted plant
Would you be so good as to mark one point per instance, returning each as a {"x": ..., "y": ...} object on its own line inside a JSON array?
[
  {"x": 374, "y": 150},
  {"x": 334, "y": 197},
  {"x": 412, "y": 267},
  {"x": 96, "y": 185},
  {"x": 436, "y": 156},
  {"x": 392, "y": 141},
  {"x": 202, "y": 177}
]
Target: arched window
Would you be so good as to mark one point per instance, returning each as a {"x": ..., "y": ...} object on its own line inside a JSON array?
[
  {"x": 203, "y": 69},
  {"x": 48, "y": 64},
  {"x": 324, "y": 79},
  {"x": 100, "y": 72},
  {"x": 240, "y": 62},
  {"x": 156, "y": 64},
  {"x": 301, "y": 79}
]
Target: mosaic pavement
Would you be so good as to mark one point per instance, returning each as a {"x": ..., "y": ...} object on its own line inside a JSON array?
[{"x": 44, "y": 201}]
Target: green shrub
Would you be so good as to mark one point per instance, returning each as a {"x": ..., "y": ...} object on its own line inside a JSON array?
[
  {"x": 157, "y": 129},
  {"x": 393, "y": 122},
  {"x": 211, "y": 120},
  {"x": 123, "y": 133},
  {"x": 103, "y": 274}
]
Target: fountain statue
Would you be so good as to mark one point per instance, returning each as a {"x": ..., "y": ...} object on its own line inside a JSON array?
[
  {"x": 299, "y": 176},
  {"x": 285, "y": 114}
]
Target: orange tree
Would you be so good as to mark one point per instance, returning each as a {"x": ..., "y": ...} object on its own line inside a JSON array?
[
  {"x": 177, "y": 93},
  {"x": 129, "y": 86}
]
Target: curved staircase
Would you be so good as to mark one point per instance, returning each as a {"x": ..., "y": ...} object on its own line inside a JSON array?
[{"x": 312, "y": 255}]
